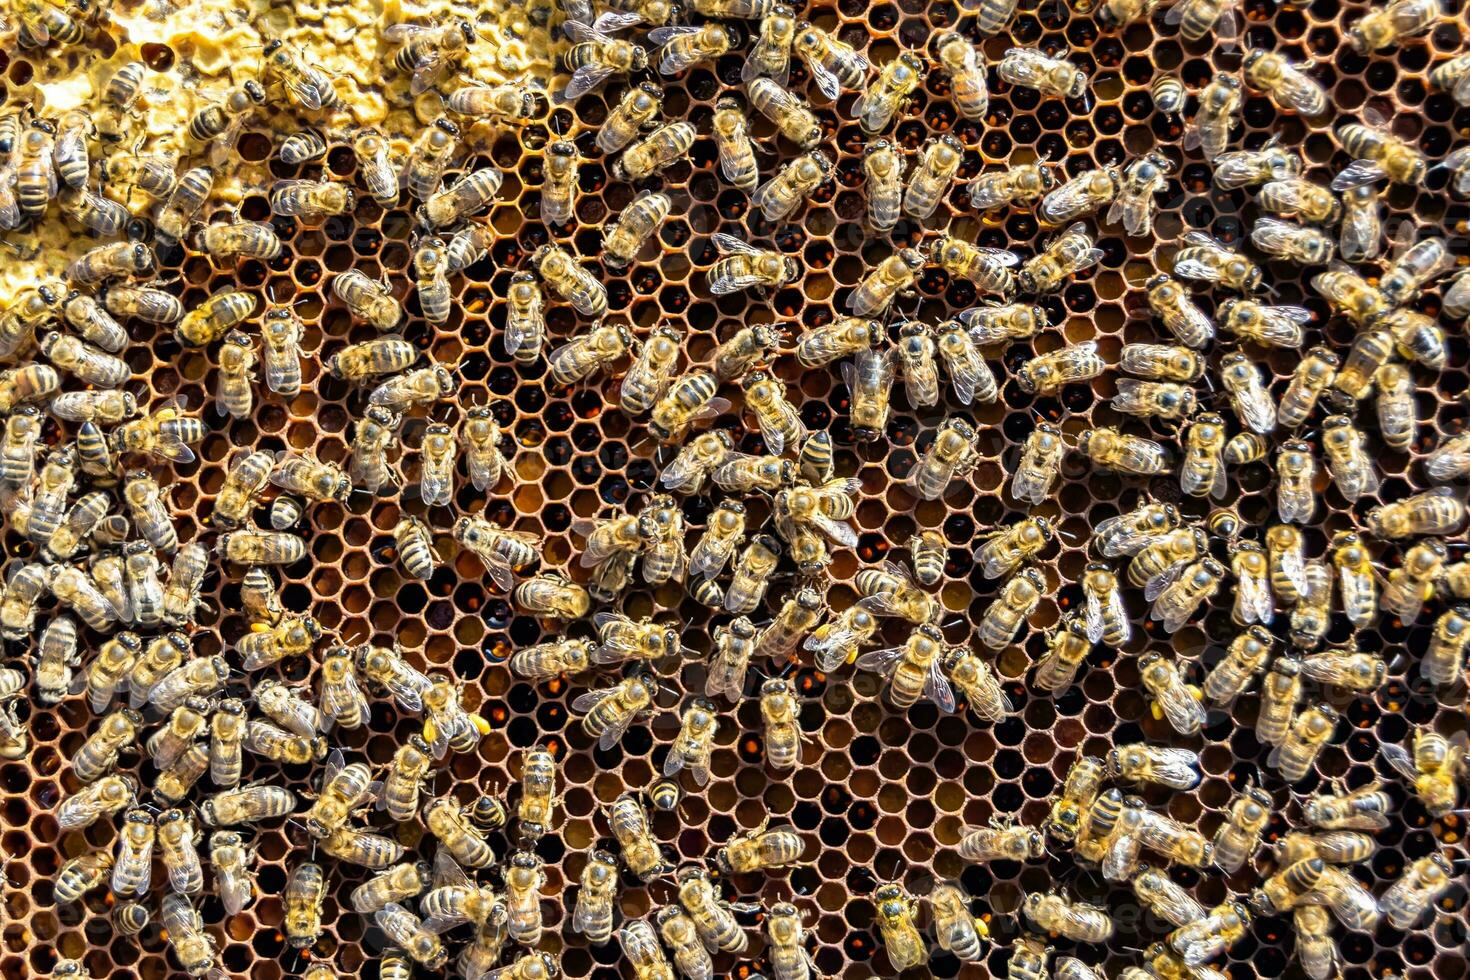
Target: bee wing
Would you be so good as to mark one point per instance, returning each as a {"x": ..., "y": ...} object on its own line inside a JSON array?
[
  {"x": 684, "y": 470},
  {"x": 1122, "y": 857},
  {"x": 882, "y": 661},
  {"x": 1065, "y": 202},
  {"x": 1094, "y": 617},
  {"x": 770, "y": 426},
  {"x": 613, "y": 20},
  {"x": 1176, "y": 768},
  {"x": 1356, "y": 174},
  {"x": 831, "y": 649},
  {"x": 1022, "y": 68},
  {"x": 344, "y": 697},
  {"x": 663, "y": 35},
  {"x": 840, "y": 533},
  {"x": 708, "y": 559},
  {"x": 675, "y": 60},
  {"x": 937, "y": 688},
  {"x": 723, "y": 284},
  {"x": 1196, "y": 269},
  {"x": 434, "y": 485},
  {"x": 827, "y": 82},
  {"x": 1233, "y": 170},
  {"x": 584, "y": 79},
  {"x": 1155, "y": 586},
  {"x": 1399, "y": 759},
  {"x": 1253, "y": 595},
  {"x": 581, "y": 32},
  {"x": 776, "y": 59},
  {"x": 586, "y": 702},
  {"x": 1183, "y": 712},
  {"x": 966, "y": 373},
  {"x": 615, "y": 731},
  {"x": 1256, "y": 410}
]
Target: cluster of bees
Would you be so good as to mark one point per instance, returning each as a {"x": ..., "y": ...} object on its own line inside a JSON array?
[{"x": 97, "y": 526}]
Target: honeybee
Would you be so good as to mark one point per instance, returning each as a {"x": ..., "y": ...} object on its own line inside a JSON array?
[
  {"x": 1040, "y": 464},
  {"x": 913, "y": 669},
  {"x": 235, "y": 396},
  {"x": 75, "y": 591},
  {"x": 1080, "y": 789},
  {"x": 1179, "y": 313},
  {"x": 798, "y": 615},
  {"x": 636, "y": 109},
  {"x": 132, "y": 869},
  {"x": 938, "y": 163},
  {"x": 36, "y": 382},
  {"x": 592, "y": 915},
  {"x": 178, "y": 847},
  {"x": 500, "y": 550},
  {"x": 1017, "y": 600},
  {"x": 1073, "y": 920},
  {"x": 1028, "y": 954},
  {"x": 470, "y": 193},
  {"x": 1080, "y": 196},
  {"x": 523, "y": 883},
  {"x": 896, "y": 912},
  {"x": 655, "y": 152},
  {"x": 400, "y": 883},
  {"x": 405, "y": 778},
  {"x": 311, "y": 199},
  {"x": 987, "y": 268},
  {"x": 465, "y": 843},
  {"x": 1033, "y": 69},
  {"x": 1208, "y": 937},
  {"x": 1046, "y": 373},
  {"x": 877, "y": 105},
  {"x": 641, "y": 948},
  {"x": 1445, "y": 658},
  {"x": 99, "y": 753},
  {"x": 1310, "y": 731},
  {"x": 778, "y": 198},
  {"x": 1133, "y": 205},
  {"x": 609, "y": 712},
  {"x": 1172, "y": 698},
  {"x": 950, "y": 456},
  {"x": 1206, "y": 259},
  {"x": 833, "y": 64},
  {"x": 1347, "y": 457},
  {"x": 1065, "y": 256},
  {"x": 1392, "y": 24},
  {"x": 1432, "y": 770},
  {"x": 628, "y": 823},
  {"x": 1006, "y": 549},
  {"x": 1240, "y": 835},
  {"x": 1379, "y": 154},
  {"x": 1165, "y": 898},
  {"x": 302, "y": 900},
  {"x": 85, "y": 362},
  {"x": 1202, "y": 471},
  {"x": 1177, "y": 601},
  {"x": 1436, "y": 511},
  {"x": 570, "y": 281},
  {"x": 1110, "y": 449},
  {"x": 1247, "y": 392},
  {"x": 1067, "y": 646},
  {"x": 293, "y": 636},
  {"x": 684, "y": 45},
  {"x": 1219, "y": 103},
  {"x": 368, "y": 300},
  {"x": 752, "y": 574},
  {"x": 81, "y": 874},
  {"x": 1423, "y": 882}
]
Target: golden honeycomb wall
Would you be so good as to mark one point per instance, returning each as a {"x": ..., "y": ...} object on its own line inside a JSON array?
[{"x": 878, "y": 792}]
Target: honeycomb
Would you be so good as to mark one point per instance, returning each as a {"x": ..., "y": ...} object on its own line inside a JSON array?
[{"x": 879, "y": 794}]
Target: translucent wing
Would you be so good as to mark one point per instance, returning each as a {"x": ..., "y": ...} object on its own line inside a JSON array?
[
  {"x": 615, "y": 732},
  {"x": 1356, "y": 174},
  {"x": 343, "y": 697},
  {"x": 832, "y": 649},
  {"x": 1253, "y": 597},
  {"x": 840, "y": 533},
  {"x": 1177, "y": 769},
  {"x": 1022, "y": 68},
  {"x": 613, "y": 20},
  {"x": 828, "y": 83},
  {"x": 937, "y": 689},
  {"x": 986, "y": 195},
  {"x": 580, "y": 32},
  {"x": 585, "y": 79},
  {"x": 1401, "y": 761},
  {"x": 882, "y": 661},
  {"x": 683, "y": 471},
  {"x": 586, "y": 702},
  {"x": 1155, "y": 586},
  {"x": 1094, "y": 617},
  {"x": 663, "y": 35},
  {"x": 1196, "y": 269}
]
